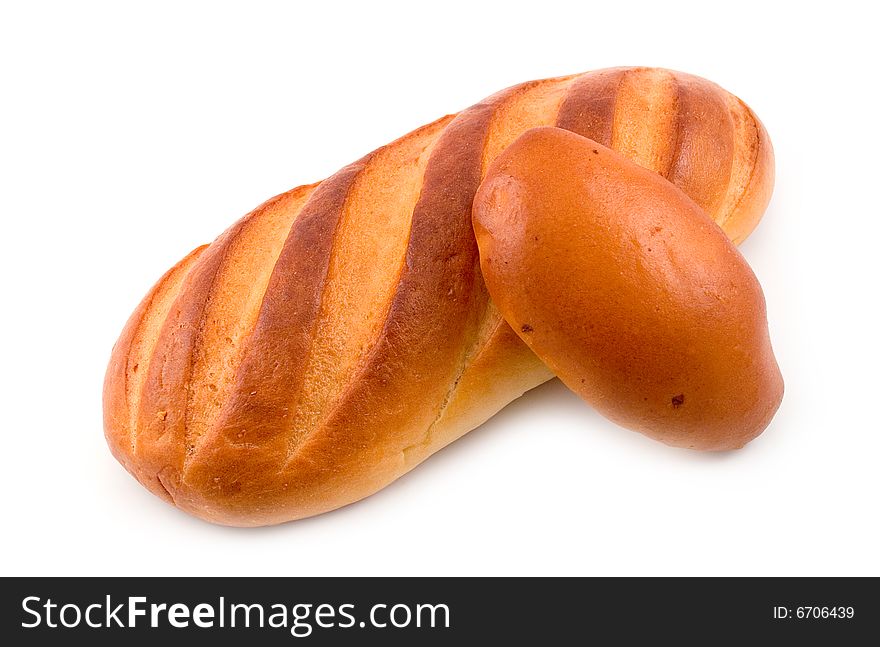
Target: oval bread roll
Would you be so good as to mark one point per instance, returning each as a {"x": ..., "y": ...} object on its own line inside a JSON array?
[{"x": 627, "y": 290}]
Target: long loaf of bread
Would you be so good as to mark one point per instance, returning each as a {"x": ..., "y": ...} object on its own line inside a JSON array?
[{"x": 341, "y": 333}]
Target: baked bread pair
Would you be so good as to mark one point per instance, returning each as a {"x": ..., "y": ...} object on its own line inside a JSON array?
[{"x": 342, "y": 332}]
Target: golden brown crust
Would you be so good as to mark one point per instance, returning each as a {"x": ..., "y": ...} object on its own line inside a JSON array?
[
  {"x": 704, "y": 152},
  {"x": 626, "y": 289},
  {"x": 344, "y": 459},
  {"x": 589, "y": 106},
  {"x": 341, "y": 333},
  {"x": 689, "y": 130},
  {"x": 752, "y": 174},
  {"x": 129, "y": 361}
]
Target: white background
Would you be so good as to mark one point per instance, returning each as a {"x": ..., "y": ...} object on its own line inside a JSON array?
[{"x": 131, "y": 135}]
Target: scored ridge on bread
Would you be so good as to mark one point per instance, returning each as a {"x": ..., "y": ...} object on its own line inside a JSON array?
[{"x": 341, "y": 333}]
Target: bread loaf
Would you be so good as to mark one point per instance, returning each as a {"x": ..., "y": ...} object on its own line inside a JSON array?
[
  {"x": 341, "y": 333},
  {"x": 627, "y": 290}
]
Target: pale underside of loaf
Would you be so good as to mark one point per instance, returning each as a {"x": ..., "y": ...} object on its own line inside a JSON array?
[{"x": 341, "y": 333}]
